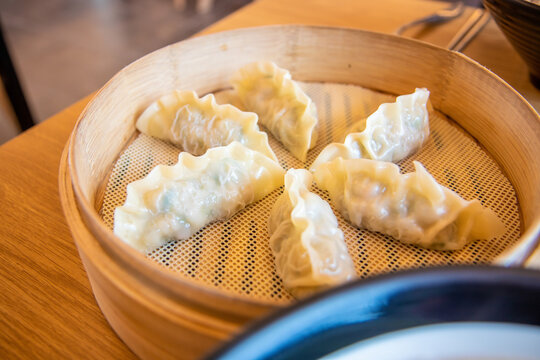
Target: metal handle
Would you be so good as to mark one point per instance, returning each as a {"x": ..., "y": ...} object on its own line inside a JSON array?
[
  {"x": 472, "y": 27},
  {"x": 438, "y": 17}
]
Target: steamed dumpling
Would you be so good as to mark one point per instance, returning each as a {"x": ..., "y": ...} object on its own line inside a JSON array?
[
  {"x": 283, "y": 108},
  {"x": 174, "y": 202},
  {"x": 393, "y": 132},
  {"x": 412, "y": 208},
  {"x": 196, "y": 125},
  {"x": 309, "y": 249}
]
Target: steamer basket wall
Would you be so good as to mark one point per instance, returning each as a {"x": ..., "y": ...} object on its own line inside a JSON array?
[{"x": 158, "y": 314}]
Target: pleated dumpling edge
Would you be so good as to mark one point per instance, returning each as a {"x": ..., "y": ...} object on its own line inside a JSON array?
[{"x": 174, "y": 202}]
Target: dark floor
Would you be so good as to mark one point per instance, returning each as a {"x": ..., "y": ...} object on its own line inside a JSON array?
[{"x": 65, "y": 49}]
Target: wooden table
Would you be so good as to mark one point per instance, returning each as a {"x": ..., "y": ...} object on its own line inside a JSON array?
[{"x": 47, "y": 309}]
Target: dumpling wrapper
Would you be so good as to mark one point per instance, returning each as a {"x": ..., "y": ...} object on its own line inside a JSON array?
[
  {"x": 174, "y": 202},
  {"x": 412, "y": 208},
  {"x": 282, "y": 106},
  {"x": 309, "y": 248},
  {"x": 393, "y": 132},
  {"x": 198, "y": 124}
]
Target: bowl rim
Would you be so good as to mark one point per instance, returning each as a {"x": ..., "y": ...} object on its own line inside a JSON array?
[
  {"x": 524, "y": 3},
  {"x": 386, "y": 303}
]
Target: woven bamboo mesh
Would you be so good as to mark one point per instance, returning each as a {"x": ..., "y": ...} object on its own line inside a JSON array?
[{"x": 233, "y": 256}]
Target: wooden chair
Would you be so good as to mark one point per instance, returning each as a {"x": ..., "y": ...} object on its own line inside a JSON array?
[{"x": 13, "y": 87}]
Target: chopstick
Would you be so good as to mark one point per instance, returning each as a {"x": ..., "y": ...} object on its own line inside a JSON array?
[{"x": 476, "y": 22}]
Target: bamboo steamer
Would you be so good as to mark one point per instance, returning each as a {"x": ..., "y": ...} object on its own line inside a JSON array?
[{"x": 159, "y": 315}]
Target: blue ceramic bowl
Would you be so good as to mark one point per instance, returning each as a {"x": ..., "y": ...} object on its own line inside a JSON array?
[
  {"x": 452, "y": 312},
  {"x": 519, "y": 20}
]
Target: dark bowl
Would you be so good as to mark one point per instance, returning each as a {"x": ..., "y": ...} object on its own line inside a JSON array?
[
  {"x": 519, "y": 20},
  {"x": 451, "y": 312}
]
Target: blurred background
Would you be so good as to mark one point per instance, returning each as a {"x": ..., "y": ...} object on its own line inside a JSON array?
[{"x": 63, "y": 50}]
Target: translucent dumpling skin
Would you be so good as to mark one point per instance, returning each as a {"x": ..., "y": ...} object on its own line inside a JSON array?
[
  {"x": 174, "y": 202},
  {"x": 309, "y": 249},
  {"x": 198, "y": 124},
  {"x": 393, "y": 132},
  {"x": 282, "y": 106},
  {"x": 412, "y": 208}
]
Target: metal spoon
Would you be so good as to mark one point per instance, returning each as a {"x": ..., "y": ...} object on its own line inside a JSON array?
[{"x": 439, "y": 16}]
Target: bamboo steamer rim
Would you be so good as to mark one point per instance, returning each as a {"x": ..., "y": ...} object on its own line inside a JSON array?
[
  {"x": 155, "y": 275},
  {"x": 203, "y": 321}
]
